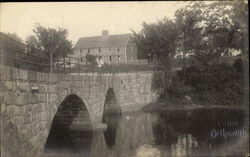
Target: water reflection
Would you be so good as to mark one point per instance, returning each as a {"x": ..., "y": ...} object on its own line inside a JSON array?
[
  {"x": 170, "y": 133},
  {"x": 112, "y": 122},
  {"x": 70, "y": 142}
]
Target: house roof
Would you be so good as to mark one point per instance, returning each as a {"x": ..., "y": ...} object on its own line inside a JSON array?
[{"x": 102, "y": 41}]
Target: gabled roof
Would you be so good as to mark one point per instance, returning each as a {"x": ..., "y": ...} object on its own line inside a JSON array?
[{"x": 102, "y": 41}]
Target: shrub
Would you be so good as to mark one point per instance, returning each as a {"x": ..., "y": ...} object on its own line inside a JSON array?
[{"x": 214, "y": 84}]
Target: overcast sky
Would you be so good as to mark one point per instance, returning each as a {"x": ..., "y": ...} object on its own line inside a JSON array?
[{"x": 83, "y": 19}]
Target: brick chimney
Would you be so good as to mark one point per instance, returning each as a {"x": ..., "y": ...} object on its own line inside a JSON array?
[{"x": 105, "y": 33}]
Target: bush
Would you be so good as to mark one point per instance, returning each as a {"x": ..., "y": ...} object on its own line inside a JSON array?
[{"x": 220, "y": 84}]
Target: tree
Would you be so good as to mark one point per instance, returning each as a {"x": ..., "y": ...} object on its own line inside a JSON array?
[
  {"x": 13, "y": 36},
  {"x": 224, "y": 28},
  {"x": 188, "y": 21},
  {"x": 12, "y": 49},
  {"x": 51, "y": 41},
  {"x": 158, "y": 40},
  {"x": 210, "y": 31},
  {"x": 13, "y": 41}
]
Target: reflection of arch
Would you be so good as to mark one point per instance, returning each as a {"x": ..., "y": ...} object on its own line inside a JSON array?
[
  {"x": 71, "y": 112},
  {"x": 112, "y": 122}
]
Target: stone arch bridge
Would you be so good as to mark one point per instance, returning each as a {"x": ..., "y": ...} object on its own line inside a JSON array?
[{"x": 33, "y": 103}]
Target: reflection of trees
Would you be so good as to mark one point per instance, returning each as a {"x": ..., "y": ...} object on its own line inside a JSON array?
[
  {"x": 134, "y": 130},
  {"x": 203, "y": 121},
  {"x": 183, "y": 133},
  {"x": 190, "y": 128},
  {"x": 166, "y": 137},
  {"x": 168, "y": 127}
]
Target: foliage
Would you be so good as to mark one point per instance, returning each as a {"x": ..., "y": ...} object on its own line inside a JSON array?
[
  {"x": 158, "y": 40},
  {"x": 50, "y": 40},
  {"x": 188, "y": 21},
  {"x": 210, "y": 31},
  {"x": 215, "y": 84},
  {"x": 13, "y": 36},
  {"x": 11, "y": 46},
  {"x": 13, "y": 41}
]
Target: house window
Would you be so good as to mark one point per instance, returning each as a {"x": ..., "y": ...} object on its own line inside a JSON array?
[
  {"x": 119, "y": 58},
  {"x": 99, "y": 50},
  {"x": 118, "y": 50},
  {"x": 109, "y": 48},
  {"x": 110, "y": 58},
  {"x": 88, "y": 50},
  {"x": 81, "y": 59},
  {"x": 80, "y": 51}
]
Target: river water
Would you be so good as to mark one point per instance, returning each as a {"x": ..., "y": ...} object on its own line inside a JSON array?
[{"x": 200, "y": 132}]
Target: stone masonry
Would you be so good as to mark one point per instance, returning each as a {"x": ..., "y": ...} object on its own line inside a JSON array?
[{"x": 27, "y": 116}]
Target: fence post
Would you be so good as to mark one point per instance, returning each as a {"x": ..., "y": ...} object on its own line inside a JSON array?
[
  {"x": 69, "y": 64},
  {"x": 64, "y": 63},
  {"x": 85, "y": 68},
  {"x": 51, "y": 62},
  {"x": 78, "y": 60}
]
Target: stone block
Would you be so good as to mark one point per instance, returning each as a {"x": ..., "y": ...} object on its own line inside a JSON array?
[
  {"x": 42, "y": 77},
  {"x": 20, "y": 120},
  {"x": 43, "y": 105},
  {"x": 37, "y": 128},
  {"x": 33, "y": 98},
  {"x": 38, "y": 75},
  {"x": 52, "y": 88},
  {"x": 6, "y": 85},
  {"x": 43, "y": 116},
  {"x": 53, "y": 97},
  {"x": 32, "y": 75},
  {"x": 43, "y": 88},
  {"x": 36, "y": 108},
  {"x": 44, "y": 124},
  {"x": 27, "y": 109},
  {"x": 16, "y": 75},
  {"x": 27, "y": 117},
  {"x": 18, "y": 110},
  {"x": 41, "y": 98},
  {"x": 5, "y": 73},
  {"x": 22, "y": 99},
  {"x": 52, "y": 77},
  {"x": 23, "y": 74},
  {"x": 68, "y": 78},
  {"x": 6, "y": 98},
  {"x": 10, "y": 110},
  {"x": 22, "y": 86}
]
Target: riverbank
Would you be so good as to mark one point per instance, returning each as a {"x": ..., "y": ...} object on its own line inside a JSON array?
[{"x": 163, "y": 106}]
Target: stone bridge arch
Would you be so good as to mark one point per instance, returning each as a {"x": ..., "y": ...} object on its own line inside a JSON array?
[
  {"x": 111, "y": 102},
  {"x": 66, "y": 92},
  {"x": 71, "y": 114}
]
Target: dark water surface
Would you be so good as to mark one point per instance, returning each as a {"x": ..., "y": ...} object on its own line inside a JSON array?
[{"x": 201, "y": 132}]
